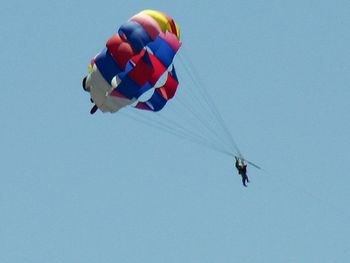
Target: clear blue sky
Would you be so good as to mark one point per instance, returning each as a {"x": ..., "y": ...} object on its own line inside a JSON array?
[{"x": 105, "y": 188}]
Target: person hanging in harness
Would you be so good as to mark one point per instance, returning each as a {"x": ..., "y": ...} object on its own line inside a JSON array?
[{"x": 242, "y": 170}]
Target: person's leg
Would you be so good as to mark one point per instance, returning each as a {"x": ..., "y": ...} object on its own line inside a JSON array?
[{"x": 243, "y": 181}]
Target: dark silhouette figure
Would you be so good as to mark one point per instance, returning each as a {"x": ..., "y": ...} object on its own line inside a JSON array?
[
  {"x": 94, "y": 109},
  {"x": 242, "y": 170}
]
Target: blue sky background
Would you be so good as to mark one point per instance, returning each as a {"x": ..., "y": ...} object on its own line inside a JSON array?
[{"x": 105, "y": 188}]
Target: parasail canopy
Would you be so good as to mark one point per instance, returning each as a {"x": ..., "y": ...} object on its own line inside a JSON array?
[{"x": 133, "y": 61}]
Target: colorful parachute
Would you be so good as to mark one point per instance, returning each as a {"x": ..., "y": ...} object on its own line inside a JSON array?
[{"x": 133, "y": 61}]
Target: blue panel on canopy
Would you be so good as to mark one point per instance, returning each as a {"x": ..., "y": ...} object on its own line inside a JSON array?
[
  {"x": 163, "y": 51},
  {"x": 156, "y": 102},
  {"x": 107, "y": 65},
  {"x": 137, "y": 37},
  {"x": 129, "y": 88}
]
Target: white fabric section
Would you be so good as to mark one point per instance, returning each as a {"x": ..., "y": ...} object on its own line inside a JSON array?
[{"x": 100, "y": 92}]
